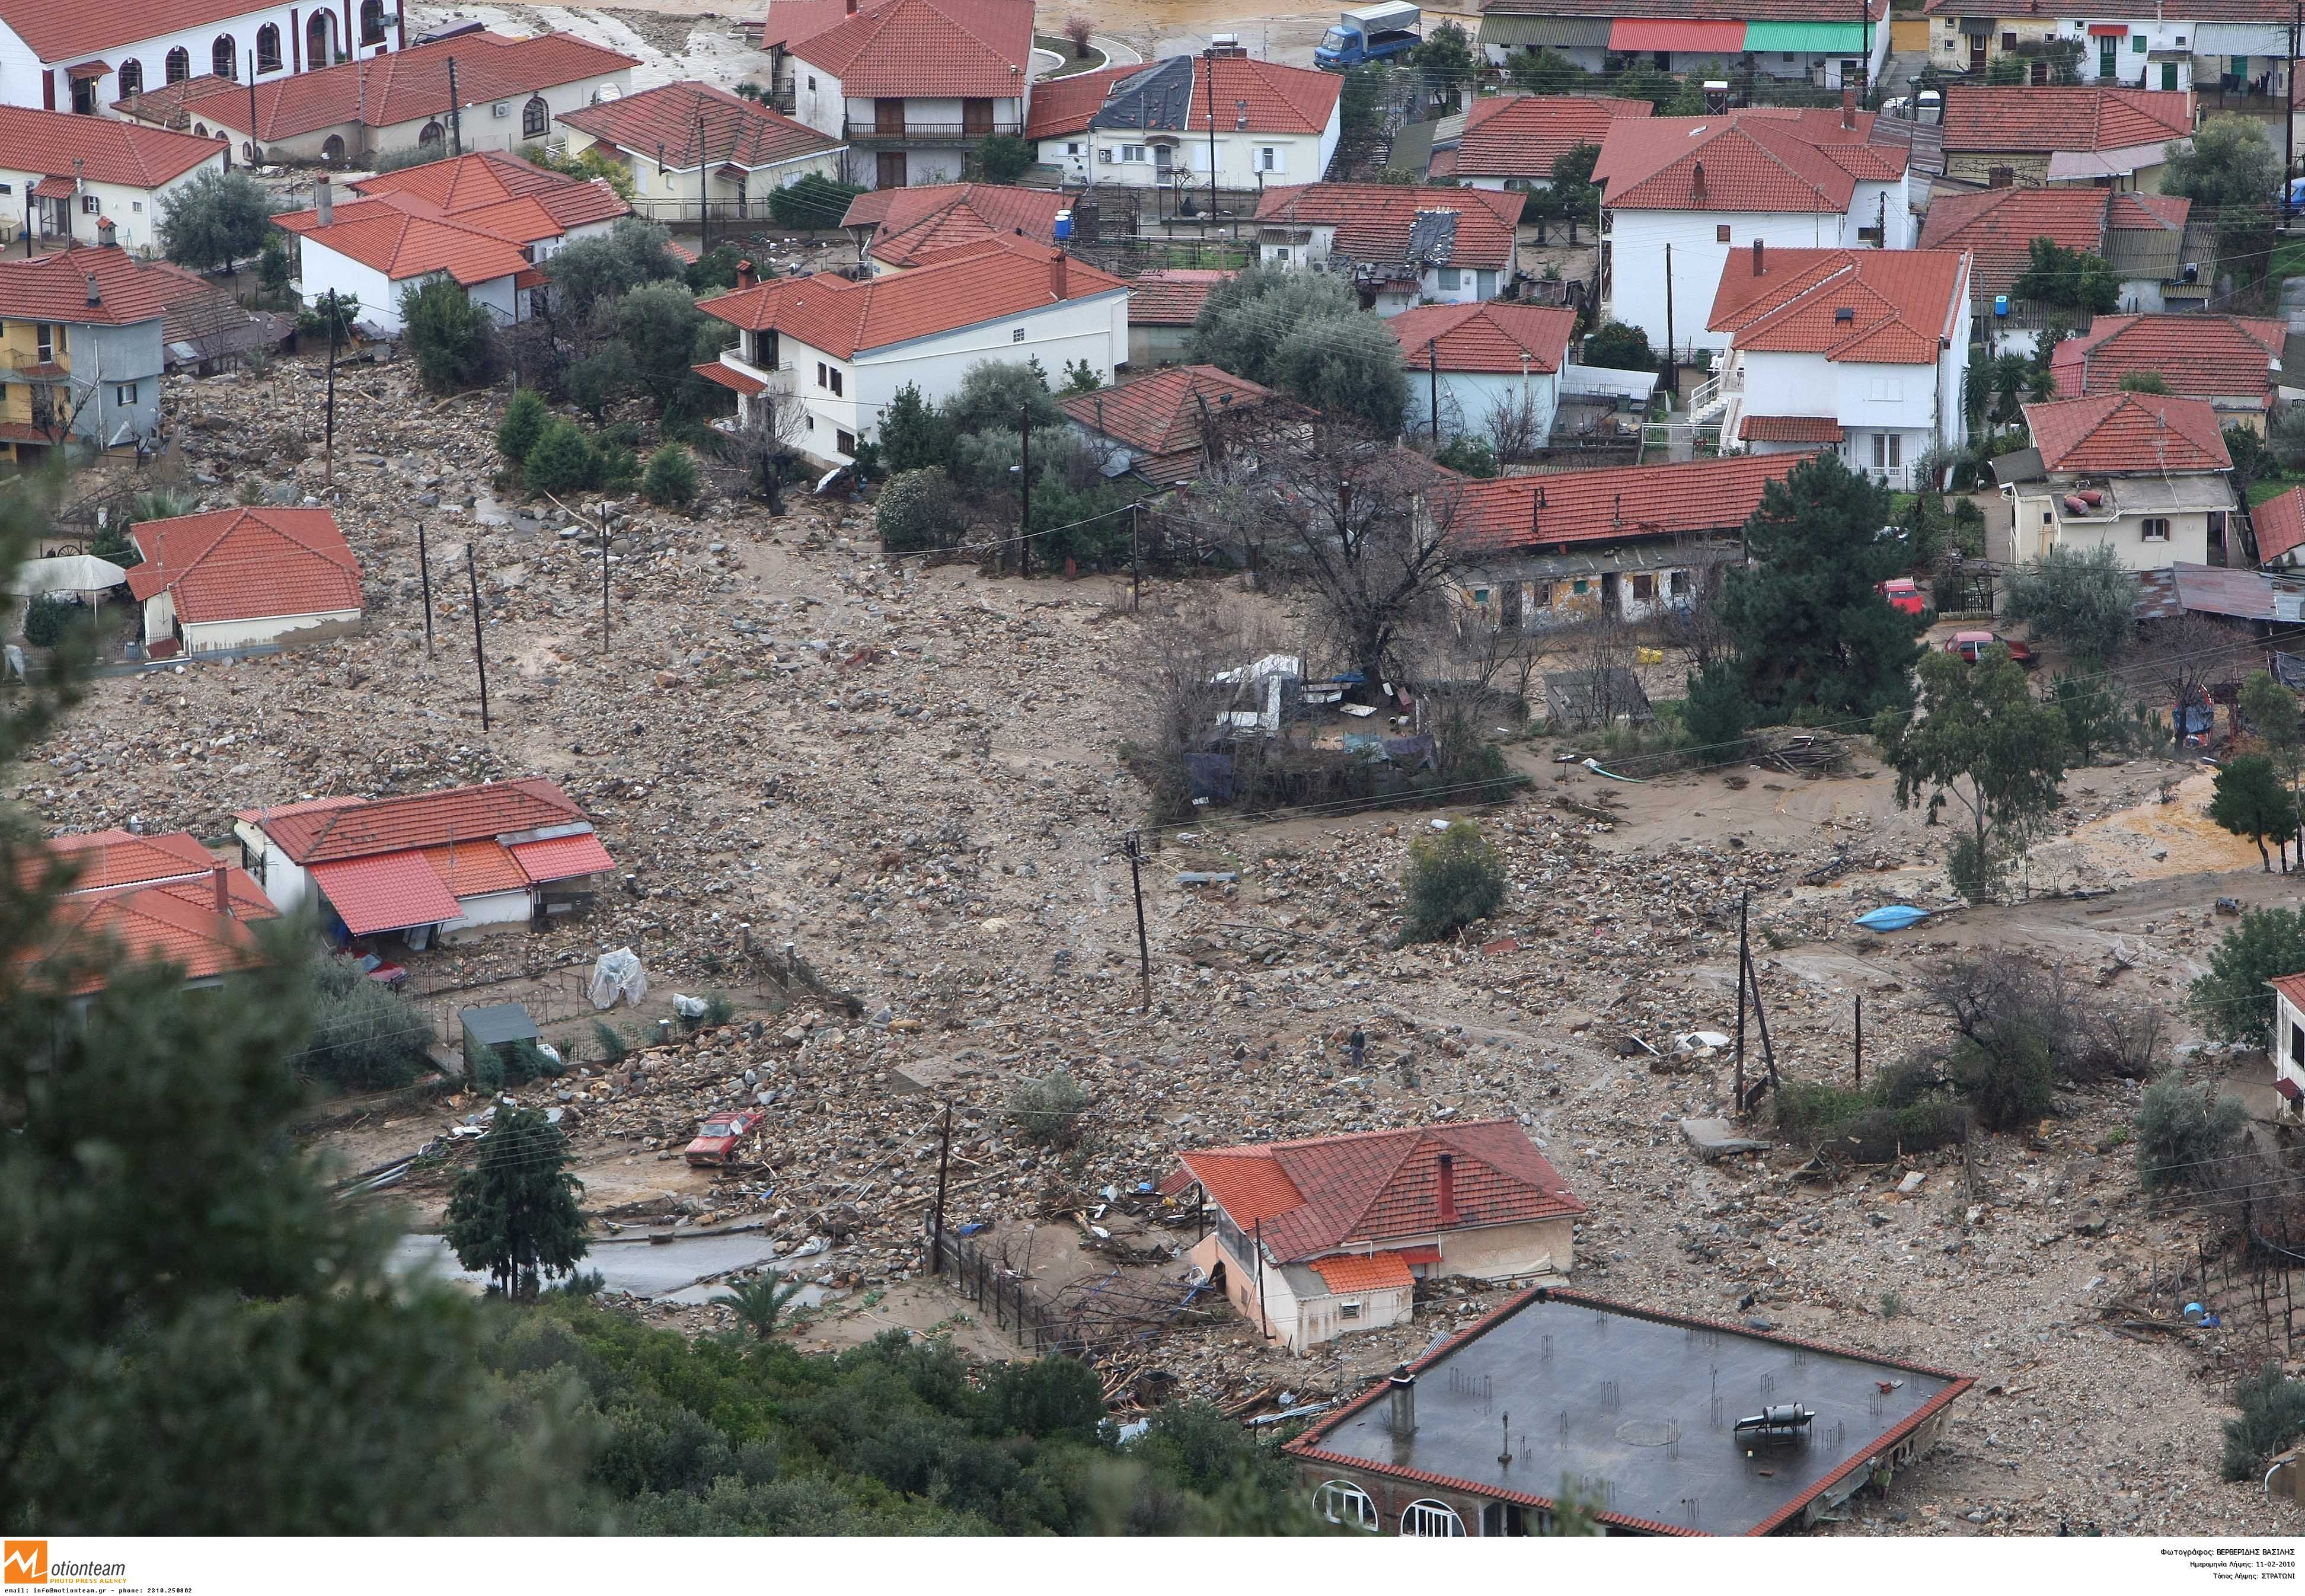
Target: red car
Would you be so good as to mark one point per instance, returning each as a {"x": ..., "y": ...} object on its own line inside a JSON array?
[
  {"x": 722, "y": 1135},
  {"x": 1902, "y": 594},
  {"x": 1971, "y": 646}
]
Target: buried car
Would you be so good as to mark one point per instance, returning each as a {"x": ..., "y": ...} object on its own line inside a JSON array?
[{"x": 719, "y": 1137}]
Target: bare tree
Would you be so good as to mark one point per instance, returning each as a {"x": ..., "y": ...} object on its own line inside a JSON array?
[
  {"x": 2183, "y": 658},
  {"x": 1077, "y": 29},
  {"x": 1602, "y": 650},
  {"x": 1373, "y": 531},
  {"x": 1696, "y": 627},
  {"x": 1516, "y": 426},
  {"x": 762, "y": 451},
  {"x": 1183, "y": 653}
]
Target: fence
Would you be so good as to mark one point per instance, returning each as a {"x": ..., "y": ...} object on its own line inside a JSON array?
[{"x": 1013, "y": 1305}]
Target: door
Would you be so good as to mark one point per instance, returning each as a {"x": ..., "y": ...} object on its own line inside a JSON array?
[
  {"x": 976, "y": 118},
  {"x": 888, "y": 116},
  {"x": 2040, "y": 73},
  {"x": 891, "y": 173},
  {"x": 1977, "y": 44},
  {"x": 2169, "y": 76},
  {"x": 1611, "y": 595},
  {"x": 2108, "y": 60}
]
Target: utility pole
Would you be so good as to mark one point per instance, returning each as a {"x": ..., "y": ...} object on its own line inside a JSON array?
[
  {"x": 1433, "y": 378},
  {"x": 1743, "y": 901},
  {"x": 455, "y": 112},
  {"x": 944, "y": 1168},
  {"x": 1136, "y": 563},
  {"x": 1865, "y": 39},
  {"x": 1208, "y": 60},
  {"x": 336, "y": 324},
  {"x": 1671, "y": 361},
  {"x": 424, "y": 569},
  {"x": 2288, "y": 122},
  {"x": 1024, "y": 490},
  {"x": 1761, "y": 1017},
  {"x": 1860, "y": 1042},
  {"x": 1143, "y": 949},
  {"x": 1263, "y": 1325},
  {"x": 479, "y": 658},
  {"x": 704, "y": 191}
]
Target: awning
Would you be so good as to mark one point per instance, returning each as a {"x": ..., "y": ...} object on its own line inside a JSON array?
[
  {"x": 2087, "y": 165},
  {"x": 1548, "y": 33},
  {"x": 89, "y": 69},
  {"x": 729, "y": 377},
  {"x": 55, "y": 188},
  {"x": 1424, "y": 1254},
  {"x": 2288, "y": 1090},
  {"x": 1977, "y": 27},
  {"x": 529, "y": 277},
  {"x": 563, "y": 858},
  {"x": 2240, "y": 38},
  {"x": 1697, "y": 38},
  {"x": 2108, "y": 30},
  {"x": 385, "y": 892},
  {"x": 1816, "y": 39}
]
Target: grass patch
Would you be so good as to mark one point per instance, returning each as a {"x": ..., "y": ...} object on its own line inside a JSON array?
[
  {"x": 2261, "y": 490},
  {"x": 2288, "y": 260},
  {"x": 1088, "y": 60}
]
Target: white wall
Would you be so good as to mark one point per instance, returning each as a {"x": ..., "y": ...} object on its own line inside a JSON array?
[
  {"x": 1466, "y": 398},
  {"x": 20, "y": 72},
  {"x": 818, "y": 101},
  {"x": 1240, "y": 157},
  {"x": 2039, "y": 522},
  {"x": 2288, "y": 1047},
  {"x": 486, "y": 911},
  {"x": 1635, "y": 289},
  {"x": 207, "y": 636},
  {"x": 285, "y": 881},
  {"x": 679, "y": 184},
  {"x": 134, "y": 212},
  {"x": 321, "y": 271}
]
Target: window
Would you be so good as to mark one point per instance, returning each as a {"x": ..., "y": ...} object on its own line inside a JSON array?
[
  {"x": 1888, "y": 451},
  {"x": 1072, "y": 149},
  {"x": 136, "y": 206},
  {"x": 1017, "y": 336},
  {"x": 2009, "y": 41},
  {"x": 1888, "y": 390},
  {"x": 1540, "y": 595},
  {"x": 820, "y": 380},
  {"x": 267, "y": 48},
  {"x": 1268, "y": 160},
  {"x": 1280, "y": 254},
  {"x": 836, "y": 381},
  {"x": 180, "y": 64},
  {"x": 1353, "y": 1309},
  {"x": 1679, "y": 584},
  {"x": 126, "y": 394},
  {"x": 89, "y": 205},
  {"x": 1430, "y": 1517},
  {"x": 1721, "y": 233},
  {"x": 132, "y": 77},
  {"x": 247, "y": 153},
  {"x": 1340, "y": 1501},
  {"x": 49, "y": 339},
  {"x": 83, "y": 96},
  {"x": 1645, "y": 588},
  {"x": 2156, "y": 529},
  {"x": 371, "y": 22},
  {"x": 1451, "y": 278},
  {"x": 533, "y": 117},
  {"x": 2297, "y": 1041},
  {"x": 1580, "y": 587},
  {"x": 223, "y": 59},
  {"x": 432, "y": 133},
  {"x": 1789, "y": 55},
  {"x": 1132, "y": 152},
  {"x": 2137, "y": 46},
  {"x": 846, "y": 442}
]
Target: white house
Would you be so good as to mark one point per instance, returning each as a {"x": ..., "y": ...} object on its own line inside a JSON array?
[
  {"x": 483, "y": 221},
  {"x": 842, "y": 348},
  {"x": 64, "y": 177},
  {"x": 1863, "y": 350},
  {"x": 232, "y": 577},
  {"x": 2289, "y": 1042},
  {"x": 1494, "y": 369},
  {"x": 510, "y": 95},
  {"x": 1826, "y": 43},
  {"x": 2146, "y": 475},
  {"x": 689, "y": 142},
  {"x": 1318, "y": 1238},
  {"x": 1274, "y": 124},
  {"x": 910, "y": 86},
  {"x": 82, "y": 59},
  {"x": 1681, "y": 194},
  {"x": 1400, "y": 245}
]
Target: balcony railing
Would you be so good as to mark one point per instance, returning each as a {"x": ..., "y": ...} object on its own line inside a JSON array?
[
  {"x": 868, "y": 132},
  {"x": 733, "y": 355}
]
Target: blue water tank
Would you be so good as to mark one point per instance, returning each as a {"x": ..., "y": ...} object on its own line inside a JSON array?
[
  {"x": 1063, "y": 226},
  {"x": 2001, "y": 304}
]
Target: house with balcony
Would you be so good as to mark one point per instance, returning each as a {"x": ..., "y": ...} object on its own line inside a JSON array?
[
  {"x": 694, "y": 149},
  {"x": 510, "y": 95},
  {"x": 2161, "y": 259},
  {"x": 1398, "y": 245},
  {"x": 834, "y": 350},
  {"x": 2231, "y": 363},
  {"x": 1829, "y": 44},
  {"x": 67, "y": 179},
  {"x": 1317, "y": 1238},
  {"x": 81, "y": 353},
  {"x": 2094, "y": 135},
  {"x": 1274, "y": 124},
  {"x": 912, "y": 86},
  {"x": 2233, "y": 55},
  {"x": 1864, "y": 351},
  {"x": 1680, "y": 195},
  {"x": 2146, "y": 475}
]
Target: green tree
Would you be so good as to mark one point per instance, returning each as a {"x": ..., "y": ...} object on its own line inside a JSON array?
[
  {"x": 598, "y": 382},
  {"x": 2007, "y": 377},
  {"x": 2251, "y": 801},
  {"x": 1360, "y": 104},
  {"x": 2092, "y": 707},
  {"x": 670, "y": 477},
  {"x": 1081, "y": 378},
  {"x": 814, "y": 202},
  {"x": 2270, "y": 711},
  {"x": 2252, "y": 459},
  {"x": 450, "y": 334},
  {"x": 592, "y": 270},
  {"x": 216, "y": 218},
  {"x": 995, "y": 394},
  {"x": 561, "y": 459},
  {"x": 1644, "y": 80},
  {"x": 712, "y": 272},
  {"x": 2082, "y": 600},
  {"x": 2143, "y": 382},
  {"x": 2182, "y": 1135},
  {"x": 516, "y": 431},
  {"x": 667, "y": 336},
  {"x": 2003, "y": 70},
  {"x": 514, "y": 1212},
  {"x": 1003, "y": 158},
  {"x": 1348, "y": 367},
  {"x": 1620, "y": 347},
  {"x": 914, "y": 435},
  {"x": 2272, "y": 1418},
  {"x": 2231, "y": 168},
  {"x": 760, "y": 1301},
  {"x": 1242, "y": 322},
  {"x": 1717, "y": 713},
  {"x": 917, "y": 509},
  {"x": 2232, "y": 1000},
  {"x": 276, "y": 267},
  {"x": 2057, "y": 278},
  {"x": 1572, "y": 198},
  {"x": 1548, "y": 72},
  {"x": 1455, "y": 877},
  {"x": 1444, "y": 58},
  {"x": 1806, "y": 618},
  {"x": 1982, "y": 742},
  {"x": 1468, "y": 454}
]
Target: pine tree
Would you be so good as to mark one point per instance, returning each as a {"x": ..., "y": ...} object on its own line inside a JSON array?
[{"x": 513, "y": 1213}]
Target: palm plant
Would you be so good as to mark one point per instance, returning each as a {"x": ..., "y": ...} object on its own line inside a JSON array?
[{"x": 758, "y": 1302}]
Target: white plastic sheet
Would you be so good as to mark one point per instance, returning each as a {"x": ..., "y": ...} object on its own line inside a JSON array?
[{"x": 616, "y": 974}]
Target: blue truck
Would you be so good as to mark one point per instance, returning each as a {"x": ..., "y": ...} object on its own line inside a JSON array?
[{"x": 1372, "y": 33}]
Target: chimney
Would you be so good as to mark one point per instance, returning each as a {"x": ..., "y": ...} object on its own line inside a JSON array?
[
  {"x": 324, "y": 201},
  {"x": 223, "y": 891},
  {"x": 1403, "y": 1418},
  {"x": 1760, "y": 261},
  {"x": 95, "y": 294},
  {"x": 744, "y": 277},
  {"x": 107, "y": 235},
  {"x": 1848, "y": 107},
  {"x": 852, "y": 7},
  {"x": 1448, "y": 1188},
  {"x": 1696, "y": 181},
  {"x": 1057, "y": 273}
]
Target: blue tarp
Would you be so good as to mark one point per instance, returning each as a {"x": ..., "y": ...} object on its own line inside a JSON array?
[{"x": 1892, "y": 917}]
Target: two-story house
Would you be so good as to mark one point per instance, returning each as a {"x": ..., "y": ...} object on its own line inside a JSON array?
[
  {"x": 64, "y": 178},
  {"x": 912, "y": 86},
  {"x": 842, "y": 347},
  {"x": 2234, "y": 49},
  {"x": 692, "y": 146},
  {"x": 81, "y": 355},
  {"x": 2108, "y": 138},
  {"x": 1831, "y": 43},
  {"x": 1864, "y": 351},
  {"x": 1489, "y": 370},
  {"x": 1398, "y": 245},
  {"x": 2146, "y": 475},
  {"x": 2231, "y": 363},
  {"x": 1681, "y": 194},
  {"x": 1272, "y": 124},
  {"x": 2159, "y": 260},
  {"x": 81, "y": 59}
]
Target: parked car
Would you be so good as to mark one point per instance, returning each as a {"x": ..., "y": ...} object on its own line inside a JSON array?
[
  {"x": 1971, "y": 646},
  {"x": 722, "y": 1135},
  {"x": 1903, "y": 594}
]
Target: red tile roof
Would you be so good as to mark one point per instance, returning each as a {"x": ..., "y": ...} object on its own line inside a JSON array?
[
  {"x": 401, "y": 246},
  {"x": 1161, "y": 414},
  {"x": 1892, "y": 306},
  {"x": 1357, "y": 1271},
  {"x": 1756, "y": 11},
  {"x": 1063, "y": 106},
  {"x": 54, "y": 287},
  {"x": 1770, "y": 160},
  {"x": 789, "y": 22},
  {"x": 61, "y": 30},
  {"x": 469, "y": 868},
  {"x": 992, "y": 281},
  {"x": 1521, "y": 135},
  {"x": 1999, "y": 226},
  {"x": 2291, "y": 987},
  {"x": 729, "y": 377},
  {"x": 473, "y": 218},
  {"x": 1282, "y": 99},
  {"x": 1507, "y": 514},
  {"x": 97, "y": 149},
  {"x": 1323, "y": 1193},
  {"x": 1789, "y": 430},
  {"x": 175, "y": 924},
  {"x": 2133, "y": 212},
  {"x": 2199, "y": 356},
  {"x": 474, "y": 185},
  {"x": 247, "y": 564},
  {"x": 1489, "y": 336},
  {"x": 1171, "y": 296},
  {"x": 1374, "y": 220},
  {"x": 2126, "y": 434},
  {"x": 103, "y": 860},
  {"x": 385, "y": 892},
  {"x": 2041, "y": 118},
  {"x": 309, "y": 832},
  {"x": 736, "y": 131},
  {"x": 401, "y": 86},
  {"x": 928, "y": 49},
  {"x": 910, "y": 223},
  {"x": 2280, "y": 526},
  {"x": 563, "y": 858}
]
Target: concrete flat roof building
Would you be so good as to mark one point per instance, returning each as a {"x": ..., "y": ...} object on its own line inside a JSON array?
[{"x": 1635, "y": 1412}]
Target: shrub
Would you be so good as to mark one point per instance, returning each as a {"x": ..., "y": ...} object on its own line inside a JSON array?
[
  {"x": 2009, "y": 1085},
  {"x": 670, "y": 477},
  {"x": 615, "y": 469},
  {"x": 1004, "y": 158},
  {"x": 365, "y": 1037},
  {"x": 610, "y": 1040},
  {"x": 1717, "y": 712},
  {"x": 561, "y": 459},
  {"x": 1455, "y": 877},
  {"x": 1893, "y": 1303},
  {"x": 595, "y": 383},
  {"x": 815, "y": 201},
  {"x": 2272, "y": 1416},
  {"x": 2182, "y": 1137},
  {"x": 1047, "y": 1112},
  {"x": 719, "y": 1010},
  {"x": 523, "y": 419},
  {"x": 918, "y": 509},
  {"x": 450, "y": 334},
  {"x": 46, "y": 619},
  {"x": 1470, "y": 455}
]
